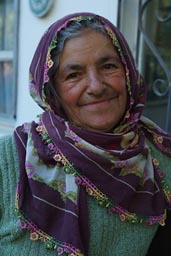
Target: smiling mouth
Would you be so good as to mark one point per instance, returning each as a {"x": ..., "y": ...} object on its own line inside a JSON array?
[{"x": 100, "y": 102}]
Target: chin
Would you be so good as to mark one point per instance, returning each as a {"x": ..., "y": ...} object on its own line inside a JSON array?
[
  {"x": 105, "y": 126},
  {"x": 100, "y": 128},
  {"x": 97, "y": 124}
]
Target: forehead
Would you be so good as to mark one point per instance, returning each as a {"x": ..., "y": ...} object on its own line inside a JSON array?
[{"x": 88, "y": 45}]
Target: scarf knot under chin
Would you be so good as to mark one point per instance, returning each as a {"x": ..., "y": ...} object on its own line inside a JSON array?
[{"x": 60, "y": 164}]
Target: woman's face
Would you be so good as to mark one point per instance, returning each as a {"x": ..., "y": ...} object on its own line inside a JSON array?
[{"x": 91, "y": 82}]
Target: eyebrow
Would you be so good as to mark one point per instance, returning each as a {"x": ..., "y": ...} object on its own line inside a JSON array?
[
  {"x": 108, "y": 58},
  {"x": 70, "y": 67},
  {"x": 76, "y": 67}
]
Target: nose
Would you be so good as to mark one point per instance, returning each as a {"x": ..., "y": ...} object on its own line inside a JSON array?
[{"x": 95, "y": 84}]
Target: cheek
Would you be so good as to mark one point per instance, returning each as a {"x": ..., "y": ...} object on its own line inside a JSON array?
[
  {"x": 69, "y": 99},
  {"x": 118, "y": 84}
]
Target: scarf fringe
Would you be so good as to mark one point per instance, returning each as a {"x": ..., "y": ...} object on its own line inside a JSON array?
[{"x": 37, "y": 234}]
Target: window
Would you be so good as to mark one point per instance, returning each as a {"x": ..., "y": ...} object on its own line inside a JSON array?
[
  {"x": 147, "y": 24},
  {"x": 8, "y": 53}
]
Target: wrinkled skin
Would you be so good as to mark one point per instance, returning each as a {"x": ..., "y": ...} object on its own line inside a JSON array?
[{"x": 91, "y": 82}]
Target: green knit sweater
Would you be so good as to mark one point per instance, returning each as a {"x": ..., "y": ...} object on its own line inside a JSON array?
[{"x": 108, "y": 235}]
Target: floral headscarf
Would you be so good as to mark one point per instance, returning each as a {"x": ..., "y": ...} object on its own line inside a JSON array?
[{"x": 60, "y": 163}]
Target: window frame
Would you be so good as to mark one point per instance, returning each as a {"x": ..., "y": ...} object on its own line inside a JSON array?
[
  {"x": 7, "y": 122},
  {"x": 136, "y": 40}
]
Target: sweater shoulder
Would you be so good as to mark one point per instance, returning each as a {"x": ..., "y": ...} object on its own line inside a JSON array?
[
  {"x": 7, "y": 143},
  {"x": 163, "y": 159},
  {"x": 8, "y": 151},
  {"x": 9, "y": 164},
  {"x": 164, "y": 163}
]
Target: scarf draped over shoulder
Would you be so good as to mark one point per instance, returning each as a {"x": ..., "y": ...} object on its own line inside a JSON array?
[{"x": 61, "y": 163}]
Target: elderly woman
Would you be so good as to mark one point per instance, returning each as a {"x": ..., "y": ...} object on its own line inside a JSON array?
[{"x": 93, "y": 174}]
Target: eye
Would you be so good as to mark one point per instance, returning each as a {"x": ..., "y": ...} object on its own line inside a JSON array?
[
  {"x": 73, "y": 75},
  {"x": 109, "y": 66}
]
